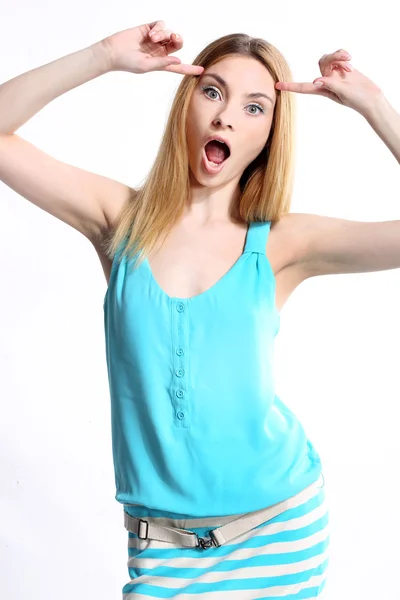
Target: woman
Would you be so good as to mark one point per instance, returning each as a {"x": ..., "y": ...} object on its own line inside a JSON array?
[
  {"x": 222, "y": 491},
  {"x": 200, "y": 438}
]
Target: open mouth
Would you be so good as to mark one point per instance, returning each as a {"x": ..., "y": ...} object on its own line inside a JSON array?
[{"x": 215, "y": 155}]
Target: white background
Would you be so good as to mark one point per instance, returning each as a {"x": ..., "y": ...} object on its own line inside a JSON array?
[{"x": 61, "y": 530}]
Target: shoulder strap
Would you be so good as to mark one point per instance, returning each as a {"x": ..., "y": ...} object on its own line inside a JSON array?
[{"x": 257, "y": 235}]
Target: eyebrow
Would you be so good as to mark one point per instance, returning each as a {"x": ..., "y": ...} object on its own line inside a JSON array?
[{"x": 225, "y": 85}]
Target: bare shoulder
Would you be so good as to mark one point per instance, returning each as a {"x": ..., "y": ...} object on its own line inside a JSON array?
[{"x": 288, "y": 241}]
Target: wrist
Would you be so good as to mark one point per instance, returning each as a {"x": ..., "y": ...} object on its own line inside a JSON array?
[
  {"x": 103, "y": 55},
  {"x": 379, "y": 106}
]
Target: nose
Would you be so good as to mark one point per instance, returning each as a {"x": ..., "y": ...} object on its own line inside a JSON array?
[{"x": 219, "y": 121}]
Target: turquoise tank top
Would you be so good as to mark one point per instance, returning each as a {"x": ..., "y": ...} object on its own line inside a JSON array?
[{"x": 197, "y": 428}]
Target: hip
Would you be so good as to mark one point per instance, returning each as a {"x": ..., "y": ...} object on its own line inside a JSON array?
[{"x": 283, "y": 556}]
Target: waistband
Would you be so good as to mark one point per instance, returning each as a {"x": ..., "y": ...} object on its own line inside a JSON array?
[{"x": 175, "y": 531}]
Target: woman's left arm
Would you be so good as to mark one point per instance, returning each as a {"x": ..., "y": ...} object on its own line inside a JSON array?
[
  {"x": 385, "y": 121},
  {"x": 342, "y": 83},
  {"x": 331, "y": 245}
]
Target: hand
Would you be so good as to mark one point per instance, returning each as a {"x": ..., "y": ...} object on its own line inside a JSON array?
[
  {"x": 341, "y": 83},
  {"x": 134, "y": 50}
]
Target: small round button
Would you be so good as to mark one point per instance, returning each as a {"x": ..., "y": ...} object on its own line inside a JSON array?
[
  {"x": 179, "y": 351},
  {"x": 180, "y": 393},
  {"x": 180, "y": 307},
  {"x": 180, "y": 414},
  {"x": 179, "y": 372}
]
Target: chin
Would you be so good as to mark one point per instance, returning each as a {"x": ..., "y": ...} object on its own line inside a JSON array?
[{"x": 198, "y": 180}]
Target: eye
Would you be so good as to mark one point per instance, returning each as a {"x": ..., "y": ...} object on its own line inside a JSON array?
[
  {"x": 209, "y": 87},
  {"x": 214, "y": 89}
]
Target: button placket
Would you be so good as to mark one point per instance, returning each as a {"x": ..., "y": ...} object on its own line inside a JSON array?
[{"x": 179, "y": 391}]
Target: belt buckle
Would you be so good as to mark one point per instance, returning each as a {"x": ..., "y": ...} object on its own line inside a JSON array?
[
  {"x": 139, "y": 529},
  {"x": 203, "y": 543}
]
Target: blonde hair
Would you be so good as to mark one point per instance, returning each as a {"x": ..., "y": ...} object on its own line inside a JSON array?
[{"x": 266, "y": 184}]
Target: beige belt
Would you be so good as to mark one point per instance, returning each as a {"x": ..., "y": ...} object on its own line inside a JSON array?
[{"x": 221, "y": 535}]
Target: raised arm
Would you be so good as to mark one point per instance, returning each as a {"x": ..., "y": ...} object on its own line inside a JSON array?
[{"x": 87, "y": 201}]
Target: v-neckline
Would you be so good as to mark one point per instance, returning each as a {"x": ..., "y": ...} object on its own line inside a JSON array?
[{"x": 208, "y": 290}]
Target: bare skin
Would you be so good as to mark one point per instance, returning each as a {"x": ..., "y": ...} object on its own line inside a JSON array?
[
  {"x": 208, "y": 240},
  {"x": 191, "y": 261}
]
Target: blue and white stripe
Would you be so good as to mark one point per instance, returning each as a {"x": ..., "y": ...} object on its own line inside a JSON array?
[{"x": 283, "y": 558}]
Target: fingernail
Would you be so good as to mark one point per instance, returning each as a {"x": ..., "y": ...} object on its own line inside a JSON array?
[
  {"x": 319, "y": 83},
  {"x": 176, "y": 35}
]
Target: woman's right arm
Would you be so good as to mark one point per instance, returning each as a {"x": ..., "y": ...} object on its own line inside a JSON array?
[{"x": 87, "y": 201}]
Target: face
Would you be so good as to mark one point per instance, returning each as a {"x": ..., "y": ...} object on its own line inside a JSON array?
[{"x": 228, "y": 111}]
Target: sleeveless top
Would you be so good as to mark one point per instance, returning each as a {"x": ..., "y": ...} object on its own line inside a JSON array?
[{"x": 197, "y": 428}]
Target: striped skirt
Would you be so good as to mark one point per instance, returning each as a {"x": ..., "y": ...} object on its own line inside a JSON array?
[{"x": 284, "y": 558}]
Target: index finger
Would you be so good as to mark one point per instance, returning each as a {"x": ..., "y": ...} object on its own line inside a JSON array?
[
  {"x": 300, "y": 88},
  {"x": 184, "y": 69}
]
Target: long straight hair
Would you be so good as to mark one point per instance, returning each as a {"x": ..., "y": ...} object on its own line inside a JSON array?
[{"x": 266, "y": 184}]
